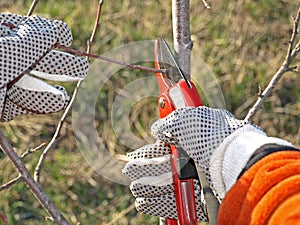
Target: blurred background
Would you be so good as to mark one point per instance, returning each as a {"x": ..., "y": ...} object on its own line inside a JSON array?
[{"x": 243, "y": 42}]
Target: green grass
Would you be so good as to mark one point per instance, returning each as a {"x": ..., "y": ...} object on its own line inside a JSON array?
[{"x": 243, "y": 42}]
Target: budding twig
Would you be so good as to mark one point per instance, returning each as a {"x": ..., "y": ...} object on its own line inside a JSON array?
[
  {"x": 101, "y": 57},
  {"x": 292, "y": 52}
]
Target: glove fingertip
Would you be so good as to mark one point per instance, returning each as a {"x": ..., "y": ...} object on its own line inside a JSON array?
[{"x": 64, "y": 32}]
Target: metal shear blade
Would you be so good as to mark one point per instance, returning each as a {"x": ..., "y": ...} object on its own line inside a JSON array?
[{"x": 167, "y": 61}]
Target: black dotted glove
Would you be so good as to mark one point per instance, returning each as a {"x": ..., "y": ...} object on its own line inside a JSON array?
[{"x": 25, "y": 51}]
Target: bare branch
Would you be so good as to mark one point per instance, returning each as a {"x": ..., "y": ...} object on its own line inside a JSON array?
[
  {"x": 292, "y": 52},
  {"x": 96, "y": 26},
  {"x": 69, "y": 107},
  {"x": 89, "y": 55},
  {"x": 104, "y": 58},
  {"x": 11, "y": 183},
  {"x": 31, "y": 183},
  {"x": 292, "y": 49},
  {"x": 32, "y": 7}
]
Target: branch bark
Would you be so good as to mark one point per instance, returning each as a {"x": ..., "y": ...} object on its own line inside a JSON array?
[
  {"x": 182, "y": 35},
  {"x": 292, "y": 52}
]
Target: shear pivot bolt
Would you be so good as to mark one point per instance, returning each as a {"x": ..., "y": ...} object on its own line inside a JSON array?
[{"x": 162, "y": 103}]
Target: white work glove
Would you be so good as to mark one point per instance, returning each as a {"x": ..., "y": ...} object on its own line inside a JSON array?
[
  {"x": 204, "y": 133},
  {"x": 26, "y": 49},
  {"x": 152, "y": 184}
]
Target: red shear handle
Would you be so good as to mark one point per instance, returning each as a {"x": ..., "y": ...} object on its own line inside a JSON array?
[
  {"x": 175, "y": 95},
  {"x": 178, "y": 96},
  {"x": 184, "y": 194}
]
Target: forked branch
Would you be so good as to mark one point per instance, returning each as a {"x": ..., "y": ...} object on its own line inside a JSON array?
[
  {"x": 30, "y": 182},
  {"x": 292, "y": 52}
]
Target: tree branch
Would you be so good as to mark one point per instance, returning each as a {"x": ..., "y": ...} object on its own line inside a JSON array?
[
  {"x": 89, "y": 55},
  {"x": 35, "y": 187},
  {"x": 292, "y": 52}
]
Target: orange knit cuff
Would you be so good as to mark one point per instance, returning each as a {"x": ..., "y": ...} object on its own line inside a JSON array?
[{"x": 267, "y": 191}]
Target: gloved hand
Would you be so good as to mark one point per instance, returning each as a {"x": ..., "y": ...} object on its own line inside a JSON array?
[
  {"x": 199, "y": 131},
  {"x": 26, "y": 49},
  {"x": 213, "y": 138},
  {"x": 152, "y": 184}
]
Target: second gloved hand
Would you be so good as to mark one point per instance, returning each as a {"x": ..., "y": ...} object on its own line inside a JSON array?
[{"x": 26, "y": 52}]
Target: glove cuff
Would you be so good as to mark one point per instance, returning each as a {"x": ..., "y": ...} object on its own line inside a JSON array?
[{"x": 231, "y": 156}]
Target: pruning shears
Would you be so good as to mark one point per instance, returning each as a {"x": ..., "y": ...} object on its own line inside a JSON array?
[{"x": 176, "y": 91}]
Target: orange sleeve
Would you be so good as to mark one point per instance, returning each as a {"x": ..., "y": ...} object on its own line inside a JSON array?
[{"x": 268, "y": 193}]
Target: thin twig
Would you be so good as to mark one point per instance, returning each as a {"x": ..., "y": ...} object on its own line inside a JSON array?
[
  {"x": 11, "y": 183},
  {"x": 89, "y": 55},
  {"x": 293, "y": 49},
  {"x": 32, "y": 150},
  {"x": 292, "y": 52},
  {"x": 31, "y": 183},
  {"x": 206, "y": 5},
  {"x": 96, "y": 26},
  {"x": 104, "y": 58},
  {"x": 69, "y": 107},
  {"x": 32, "y": 7}
]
